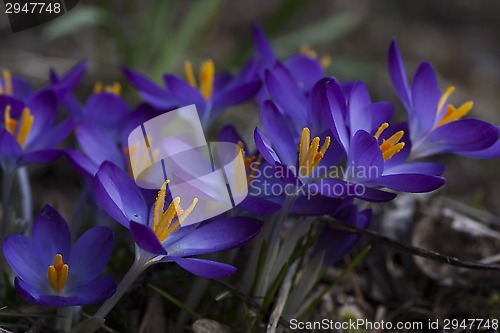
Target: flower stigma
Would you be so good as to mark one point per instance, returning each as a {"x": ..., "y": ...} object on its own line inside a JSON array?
[
  {"x": 391, "y": 146},
  {"x": 167, "y": 221},
  {"x": 206, "y": 76},
  {"x": 309, "y": 155},
  {"x": 25, "y": 124},
  {"x": 57, "y": 273}
]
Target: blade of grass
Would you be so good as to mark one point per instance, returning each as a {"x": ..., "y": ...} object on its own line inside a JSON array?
[
  {"x": 175, "y": 301},
  {"x": 192, "y": 27}
]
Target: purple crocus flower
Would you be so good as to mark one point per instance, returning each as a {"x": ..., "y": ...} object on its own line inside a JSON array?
[
  {"x": 158, "y": 232},
  {"x": 358, "y": 125},
  {"x": 64, "y": 84},
  {"x": 28, "y": 133},
  {"x": 211, "y": 93},
  {"x": 435, "y": 125},
  {"x": 305, "y": 67},
  {"x": 266, "y": 190},
  {"x": 99, "y": 129},
  {"x": 51, "y": 272}
]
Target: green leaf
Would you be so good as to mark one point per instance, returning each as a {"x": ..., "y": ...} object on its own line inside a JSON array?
[
  {"x": 75, "y": 20},
  {"x": 193, "y": 26},
  {"x": 175, "y": 301},
  {"x": 324, "y": 31}
]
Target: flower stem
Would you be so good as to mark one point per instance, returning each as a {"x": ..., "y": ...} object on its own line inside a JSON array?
[
  {"x": 6, "y": 212},
  {"x": 24, "y": 183},
  {"x": 65, "y": 318},
  {"x": 139, "y": 265}
]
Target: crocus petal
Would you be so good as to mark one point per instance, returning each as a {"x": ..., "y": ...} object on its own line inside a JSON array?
[
  {"x": 279, "y": 133},
  {"x": 411, "y": 182},
  {"x": 491, "y": 152},
  {"x": 259, "y": 206},
  {"x": 229, "y": 134},
  {"x": 107, "y": 110},
  {"x": 119, "y": 196},
  {"x": 89, "y": 256},
  {"x": 218, "y": 235},
  {"x": 336, "y": 188},
  {"x": 43, "y": 107},
  {"x": 149, "y": 91},
  {"x": 52, "y": 234},
  {"x": 365, "y": 156},
  {"x": 22, "y": 89},
  {"x": 306, "y": 70},
  {"x": 184, "y": 93},
  {"x": 236, "y": 95},
  {"x": 51, "y": 137},
  {"x": 337, "y": 110},
  {"x": 26, "y": 259},
  {"x": 429, "y": 168},
  {"x": 264, "y": 146},
  {"x": 82, "y": 163},
  {"x": 205, "y": 268},
  {"x": 27, "y": 291},
  {"x": 360, "y": 116},
  {"x": 285, "y": 93},
  {"x": 382, "y": 112},
  {"x": 425, "y": 98},
  {"x": 398, "y": 75},
  {"x": 95, "y": 291},
  {"x": 41, "y": 156},
  {"x": 461, "y": 135},
  {"x": 99, "y": 145},
  {"x": 146, "y": 239},
  {"x": 262, "y": 45}
]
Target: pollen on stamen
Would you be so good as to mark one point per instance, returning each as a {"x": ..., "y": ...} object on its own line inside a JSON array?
[{"x": 310, "y": 154}]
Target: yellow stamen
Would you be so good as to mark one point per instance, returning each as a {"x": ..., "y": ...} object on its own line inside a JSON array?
[
  {"x": 325, "y": 61},
  {"x": 380, "y": 130},
  {"x": 391, "y": 146},
  {"x": 25, "y": 126},
  {"x": 188, "y": 69},
  {"x": 453, "y": 114},
  {"x": 7, "y": 81},
  {"x": 254, "y": 167},
  {"x": 252, "y": 163},
  {"x": 444, "y": 98},
  {"x": 10, "y": 124},
  {"x": 57, "y": 274},
  {"x": 114, "y": 88},
  {"x": 305, "y": 138},
  {"x": 207, "y": 73},
  {"x": 162, "y": 220},
  {"x": 160, "y": 204},
  {"x": 306, "y": 50},
  {"x": 98, "y": 87},
  {"x": 309, "y": 156}
]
